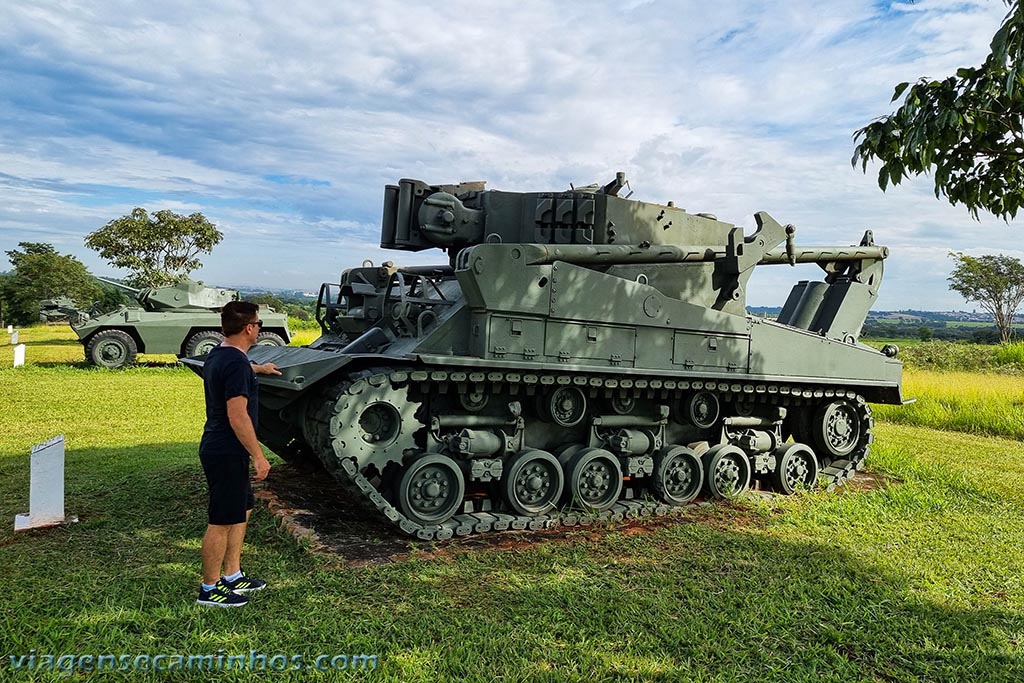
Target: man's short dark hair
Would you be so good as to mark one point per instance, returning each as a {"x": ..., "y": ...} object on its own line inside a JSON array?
[{"x": 236, "y": 315}]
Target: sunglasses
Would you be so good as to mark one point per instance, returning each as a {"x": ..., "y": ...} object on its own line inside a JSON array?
[{"x": 258, "y": 324}]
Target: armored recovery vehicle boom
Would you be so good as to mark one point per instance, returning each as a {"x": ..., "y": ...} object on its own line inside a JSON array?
[{"x": 580, "y": 355}]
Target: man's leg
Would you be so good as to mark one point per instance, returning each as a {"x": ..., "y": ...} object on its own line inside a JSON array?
[
  {"x": 216, "y": 542},
  {"x": 233, "y": 548}
]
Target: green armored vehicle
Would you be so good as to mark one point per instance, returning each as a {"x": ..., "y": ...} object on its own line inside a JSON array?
[
  {"x": 581, "y": 356},
  {"x": 59, "y": 310},
  {"x": 183, "y": 319}
]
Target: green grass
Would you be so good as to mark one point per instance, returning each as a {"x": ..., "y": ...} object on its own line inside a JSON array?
[
  {"x": 919, "y": 580},
  {"x": 976, "y": 403}
]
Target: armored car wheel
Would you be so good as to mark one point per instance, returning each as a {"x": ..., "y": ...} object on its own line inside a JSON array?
[
  {"x": 203, "y": 342},
  {"x": 796, "y": 467},
  {"x": 269, "y": 339},
  {"x": 431, "y": 489},
  {"x": 726, "y": 471},
  {"x": 678, "y": 475},
  {"x": 532, "y": 482},
  {"x": 111, "y": 349},
  {"x": 594, "y": 479}
]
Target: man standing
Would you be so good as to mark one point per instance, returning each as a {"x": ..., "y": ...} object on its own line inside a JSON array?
[{"x": 228, "y": 446}]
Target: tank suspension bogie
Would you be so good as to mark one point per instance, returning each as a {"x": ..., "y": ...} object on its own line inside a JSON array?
[{"x": 526, "y": 470}]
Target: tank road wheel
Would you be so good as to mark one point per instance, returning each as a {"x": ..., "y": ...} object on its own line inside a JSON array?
[
  {"x": 269, "y": 339},
  {"x": 111, "y": 349},
  {"x": 678, "y": 475},
  {"x": 532, "y": 482},
  {"x": 431, "y": 489},
  {"x": 701, "y": 409},
  {"x": 594, "y": 479},
  {"x": 566, "y": 406},
  {"x": 796, "y": 467},
  {"x": 726, "y": 471},
  {"x": 202, "y": 342}
]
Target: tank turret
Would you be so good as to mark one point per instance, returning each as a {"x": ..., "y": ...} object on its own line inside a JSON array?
[{"x": 580, "y": 355}]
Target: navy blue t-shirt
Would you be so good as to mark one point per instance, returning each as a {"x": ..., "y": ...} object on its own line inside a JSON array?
[{"x": 227, "y": 373}]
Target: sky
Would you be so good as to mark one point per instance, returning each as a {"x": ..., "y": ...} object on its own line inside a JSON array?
[{"x": 282, "y": 122}]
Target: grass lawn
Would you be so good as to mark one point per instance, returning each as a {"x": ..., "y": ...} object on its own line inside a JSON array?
[{"x": 917, "y": 580}]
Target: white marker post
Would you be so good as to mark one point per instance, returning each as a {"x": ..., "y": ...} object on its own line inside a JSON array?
[
  {"x": 14, "y": 339},
  {"x": 46, "y": 487},
  {"x": 19, "y": 355},
  {"x": 10, "y": 329}
]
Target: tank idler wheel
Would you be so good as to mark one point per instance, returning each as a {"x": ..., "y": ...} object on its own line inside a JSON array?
[
  {"x": 701, "y": 409},
  {"x": 202, "y": 342},
  {"x": 270, "y": 339},
  {"x": 594, "y": 479},
  {"x": 726, "y": 471},
  {"x": 532, "y": 482},
  {"x": 796, "y": 467},
  {"x": 678, "y": 475},
  {"x": 111, "y": 349},
  {"x": 566, "y": 406},
  {"x": 431, "y": 489},
  {"x": 836, "y": 429}
]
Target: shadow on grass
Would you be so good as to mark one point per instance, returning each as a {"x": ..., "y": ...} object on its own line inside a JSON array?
[{"x": 711, "y": 598}]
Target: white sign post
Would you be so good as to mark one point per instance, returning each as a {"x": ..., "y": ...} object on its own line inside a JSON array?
[
  {"x": 10, "y": 329},
  {"x": 46, "y": 487},
  {"x": 19, "y": 355},
  {"x": 14, "y": 339}
]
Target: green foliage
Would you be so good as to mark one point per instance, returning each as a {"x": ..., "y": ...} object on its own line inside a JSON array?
[
  {"x": 995, "y": 282},
  {"x": 966, "y": 129},
  {"x": 158, "y": 248},
  {"x": 40, "y": 272},
  {"x": 1010, "y": 354}
]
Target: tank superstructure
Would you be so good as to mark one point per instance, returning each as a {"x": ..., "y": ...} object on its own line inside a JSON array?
[
  {"x": 581, "y": 355},
  {"x": 181, "y": 319}
]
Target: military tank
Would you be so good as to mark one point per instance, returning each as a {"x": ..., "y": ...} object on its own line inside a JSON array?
[
  {"x": 183, "y": 319},
  {"x": 59, "y": 310},
  {"x": 580, "y": 356}
]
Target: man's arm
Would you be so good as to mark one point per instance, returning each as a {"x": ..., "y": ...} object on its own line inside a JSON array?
[{"x": 241, "y": 425}]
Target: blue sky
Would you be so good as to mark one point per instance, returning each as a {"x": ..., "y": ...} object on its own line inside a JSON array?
[{"x": 282, "y": 123}]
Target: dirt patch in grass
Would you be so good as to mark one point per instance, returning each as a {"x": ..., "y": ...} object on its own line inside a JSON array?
[{"x": 332, "y": 520}]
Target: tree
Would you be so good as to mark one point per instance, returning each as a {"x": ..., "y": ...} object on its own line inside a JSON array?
[
  {"x": 158, "y": 248},
  {"x": 40, "y": 272},
  {"x": 967, "y": 129},
  {"x": 995, "y": 282}
]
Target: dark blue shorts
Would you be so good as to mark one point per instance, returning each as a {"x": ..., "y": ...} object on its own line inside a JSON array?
[{"x": 227, "y": 476}]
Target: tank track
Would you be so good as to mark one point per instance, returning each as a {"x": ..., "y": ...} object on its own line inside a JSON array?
[{"x": 322, "y": 430}]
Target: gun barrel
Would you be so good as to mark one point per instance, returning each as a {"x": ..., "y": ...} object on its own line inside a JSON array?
[
  {"x": 538, "y": 254},
  {"x": 130, "y": 290},
  {"x": 826, "y": 254}
]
